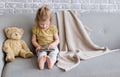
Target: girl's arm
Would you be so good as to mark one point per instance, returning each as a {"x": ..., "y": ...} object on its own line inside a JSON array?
[
  {"x": 35, "y": 43},
  {"x": 56, "y": 42}
]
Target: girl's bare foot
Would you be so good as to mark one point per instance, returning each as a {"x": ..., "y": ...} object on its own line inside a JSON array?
[
  {"x": 50, "y": 62},
  {"x": 41, "y": 62}
]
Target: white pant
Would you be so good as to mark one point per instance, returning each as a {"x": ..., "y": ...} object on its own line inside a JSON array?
[{"x": 52, "y": 54}]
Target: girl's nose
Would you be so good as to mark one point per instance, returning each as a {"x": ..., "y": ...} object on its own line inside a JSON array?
[{"x": 44, "y": 25}]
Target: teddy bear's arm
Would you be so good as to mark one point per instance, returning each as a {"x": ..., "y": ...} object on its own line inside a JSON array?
[
  {"x": 7, "y": 49},
  {"x": 6, "y": 46},
  {"x": 24, "y": 45}
]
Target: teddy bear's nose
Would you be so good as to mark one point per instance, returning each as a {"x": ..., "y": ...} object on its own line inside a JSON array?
[{"x": 16, "y": 34}]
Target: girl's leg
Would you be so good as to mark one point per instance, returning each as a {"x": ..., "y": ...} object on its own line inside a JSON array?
[
  {"x": 51, "y": 58},
  {"x": 42, "y": 59},
  {"x": 50, "y": 62}
]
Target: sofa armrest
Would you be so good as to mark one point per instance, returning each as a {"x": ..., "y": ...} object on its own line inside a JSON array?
[
  {"x": 1, "y": 62},
  {"x": 2, "y": 39}
]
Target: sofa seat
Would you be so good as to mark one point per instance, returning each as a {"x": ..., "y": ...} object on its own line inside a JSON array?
[{"x": 104, "y": 66}]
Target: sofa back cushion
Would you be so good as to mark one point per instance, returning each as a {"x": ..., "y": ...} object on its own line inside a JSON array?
[
  {"x": 105, "y": 28},
  {"x": 22, "y": 21}
]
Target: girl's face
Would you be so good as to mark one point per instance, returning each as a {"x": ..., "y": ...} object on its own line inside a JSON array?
[{"x": 44, "y": 24}]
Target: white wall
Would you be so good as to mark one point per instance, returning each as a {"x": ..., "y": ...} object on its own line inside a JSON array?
[{"x": 30, "y": 6}]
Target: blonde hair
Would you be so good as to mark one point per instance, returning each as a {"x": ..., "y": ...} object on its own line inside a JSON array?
[{"x": 43, "y": 14}]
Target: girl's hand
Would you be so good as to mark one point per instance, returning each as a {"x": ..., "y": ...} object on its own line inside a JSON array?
[
  {"x": 51, "y": 46},
  {"x": 38, "y": 48}
]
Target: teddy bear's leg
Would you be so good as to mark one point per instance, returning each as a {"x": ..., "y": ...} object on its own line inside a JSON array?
[
  {"x": 25, "y": 54},
  {"x": 10, "y": 57}
]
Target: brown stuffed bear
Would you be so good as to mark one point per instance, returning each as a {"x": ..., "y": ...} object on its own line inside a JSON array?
[{"x": 14, "y": 45}]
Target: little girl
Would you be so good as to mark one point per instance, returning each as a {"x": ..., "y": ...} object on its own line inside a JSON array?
[{"x": 45, "y": 38}]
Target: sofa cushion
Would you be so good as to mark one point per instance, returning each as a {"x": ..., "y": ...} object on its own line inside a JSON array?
[
  {"x": 105, "y": 66},
  {"x": 21, "y": 21},
  {"x": 105, "y": 28}
]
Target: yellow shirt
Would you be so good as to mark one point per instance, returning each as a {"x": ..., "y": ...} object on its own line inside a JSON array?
[{"x": 44, "y": 37}]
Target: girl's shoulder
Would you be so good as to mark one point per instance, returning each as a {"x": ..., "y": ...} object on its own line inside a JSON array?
[
  {"x": 35, "y": 27},
  {"x": 53, "y": 26}
]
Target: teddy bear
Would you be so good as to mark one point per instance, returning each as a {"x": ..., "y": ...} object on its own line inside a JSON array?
[{"x": 14, "y": 45}]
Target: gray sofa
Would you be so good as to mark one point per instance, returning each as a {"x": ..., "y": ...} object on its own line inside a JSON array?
[{"x": 105, "y": 32}]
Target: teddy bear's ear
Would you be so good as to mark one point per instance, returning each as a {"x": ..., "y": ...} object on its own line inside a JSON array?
[
  {"x": 22, "y": 30},
  {"x": 6, "y": 30}
]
